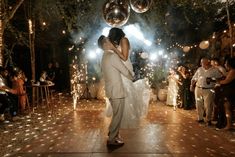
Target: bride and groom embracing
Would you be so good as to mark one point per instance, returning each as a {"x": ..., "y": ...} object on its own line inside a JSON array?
[{"x": 128, "y": 100}]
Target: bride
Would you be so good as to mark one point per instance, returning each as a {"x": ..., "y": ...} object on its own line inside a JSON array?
[{"x": 137, "y": 93}]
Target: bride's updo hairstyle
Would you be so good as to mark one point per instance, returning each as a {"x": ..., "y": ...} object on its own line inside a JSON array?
[{"x": 115, "y": 35}]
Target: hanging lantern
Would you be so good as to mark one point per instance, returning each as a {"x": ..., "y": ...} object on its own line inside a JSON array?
[
  {"x": 116, "y": 12},
  {"x": 140, "y": 6},
  {"x": 186, "y": 48},
  {"x": 204, "y": 44}
]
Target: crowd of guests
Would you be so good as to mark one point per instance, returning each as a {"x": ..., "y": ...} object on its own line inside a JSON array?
[
  {"x": 210, "y": 89},
  {"x": 179, "y": 94},
  {"x": 52, "y": 75},
  {"x": 13, "y": 95}
]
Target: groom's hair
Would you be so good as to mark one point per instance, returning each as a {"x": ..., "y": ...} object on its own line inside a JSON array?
[{"x": 101, "y": 41}]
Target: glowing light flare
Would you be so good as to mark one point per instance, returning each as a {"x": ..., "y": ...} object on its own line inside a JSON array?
[
  {"x": 134, "y": 31},
  {"x": 160, "y": 52},
  {"x": 213, "y": 36},
  {"x": 147, "y": 42},
  {"x": 92, "y": 55},
  {"x": 98, "y": 51},
  {"x": 165, "y": 56},
  {"x": 30, "y": 26},
  {"x": 105, "y": 31},
  {"x": 77, "y": 76},
  {"x": 70, "y": 48}
]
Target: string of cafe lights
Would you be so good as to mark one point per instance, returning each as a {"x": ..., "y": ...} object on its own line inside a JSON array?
[{"x": 188, "y": 47}]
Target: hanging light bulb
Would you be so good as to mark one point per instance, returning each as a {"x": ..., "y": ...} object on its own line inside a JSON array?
[
  {"x": 116, "y": 12},
  {"x": 186, "y": 48},
  {"x": 213, "y": 37},
  {"x": 140, "y": 6},
  {"x": 204, "y": 44}
]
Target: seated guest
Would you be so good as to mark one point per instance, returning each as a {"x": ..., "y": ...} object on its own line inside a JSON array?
[
  {"x": 44, "y": 79},
  {"x": 225, "y": 99},
  {"x": 50, "y": 72}
]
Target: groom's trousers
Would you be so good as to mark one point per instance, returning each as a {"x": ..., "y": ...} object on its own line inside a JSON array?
[{"x": 118, "y": 108}]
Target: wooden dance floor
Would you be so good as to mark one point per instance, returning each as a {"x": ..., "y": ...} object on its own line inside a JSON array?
[{"x": 63, "y": 132}]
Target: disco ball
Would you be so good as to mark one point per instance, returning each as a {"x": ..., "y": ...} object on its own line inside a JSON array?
[
  {"x": 140, "y": 6},
  {"x": 116, "y": 12}
]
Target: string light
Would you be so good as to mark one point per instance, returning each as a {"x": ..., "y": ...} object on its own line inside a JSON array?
[
  {"x": 194, "y": 45},
  {"x": 30, "y": 26},
  {"x": 213, "y": 37}
]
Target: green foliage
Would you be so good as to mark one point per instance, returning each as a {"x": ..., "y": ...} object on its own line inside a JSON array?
[{"x": 159, "y": 76}]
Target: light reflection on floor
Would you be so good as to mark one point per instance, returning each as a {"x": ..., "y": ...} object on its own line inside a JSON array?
[{"x": 83, "y": 132}]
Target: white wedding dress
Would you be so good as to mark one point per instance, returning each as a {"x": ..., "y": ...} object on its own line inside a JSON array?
[
  {"x": 172, "y": 90},
  {"x": 136, "y": 100}
]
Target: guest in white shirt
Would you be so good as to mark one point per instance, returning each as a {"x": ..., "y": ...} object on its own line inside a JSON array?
[{"x": 204, "y": 93}]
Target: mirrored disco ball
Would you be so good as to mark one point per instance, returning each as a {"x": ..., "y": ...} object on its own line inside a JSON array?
[
  {"x": 140, "y": 6},
  {"x": 116, "y": 12}
]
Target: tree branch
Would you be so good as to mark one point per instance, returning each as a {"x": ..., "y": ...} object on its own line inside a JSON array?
[{"x": 13, "y": 11}]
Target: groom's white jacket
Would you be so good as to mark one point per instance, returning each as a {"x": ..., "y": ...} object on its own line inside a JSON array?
[{"x": 112, "y": 68}]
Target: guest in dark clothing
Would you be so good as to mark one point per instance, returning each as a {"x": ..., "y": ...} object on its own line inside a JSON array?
[
  {"x": 58, "y": 77},
  {"x": 224, "y": 97},
  {"x": 50, "y": 72},
  {"x": 180, "y": 87},
  {"x": 184, "y": 94},
  {"x": 187, "y": 96}
]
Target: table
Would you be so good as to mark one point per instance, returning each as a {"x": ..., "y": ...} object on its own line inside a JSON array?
[{"x": 41, "y": 92}]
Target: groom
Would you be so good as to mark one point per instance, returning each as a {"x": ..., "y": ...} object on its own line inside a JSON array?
[{"x": 112, "y": 68}]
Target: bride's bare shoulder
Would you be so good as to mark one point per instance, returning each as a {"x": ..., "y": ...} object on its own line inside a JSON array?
[{"x": 125, "y": 39}]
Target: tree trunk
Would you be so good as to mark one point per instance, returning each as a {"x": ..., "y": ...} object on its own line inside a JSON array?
[
  {"x": 1, "y": 34},
  {"x": 31, "y": 46},
  {"x": 5, "y": 17},
  {"x": 230, "y": 29}
]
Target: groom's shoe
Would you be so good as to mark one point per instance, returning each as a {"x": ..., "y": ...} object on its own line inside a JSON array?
[{"x": 115, "y": 142}]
